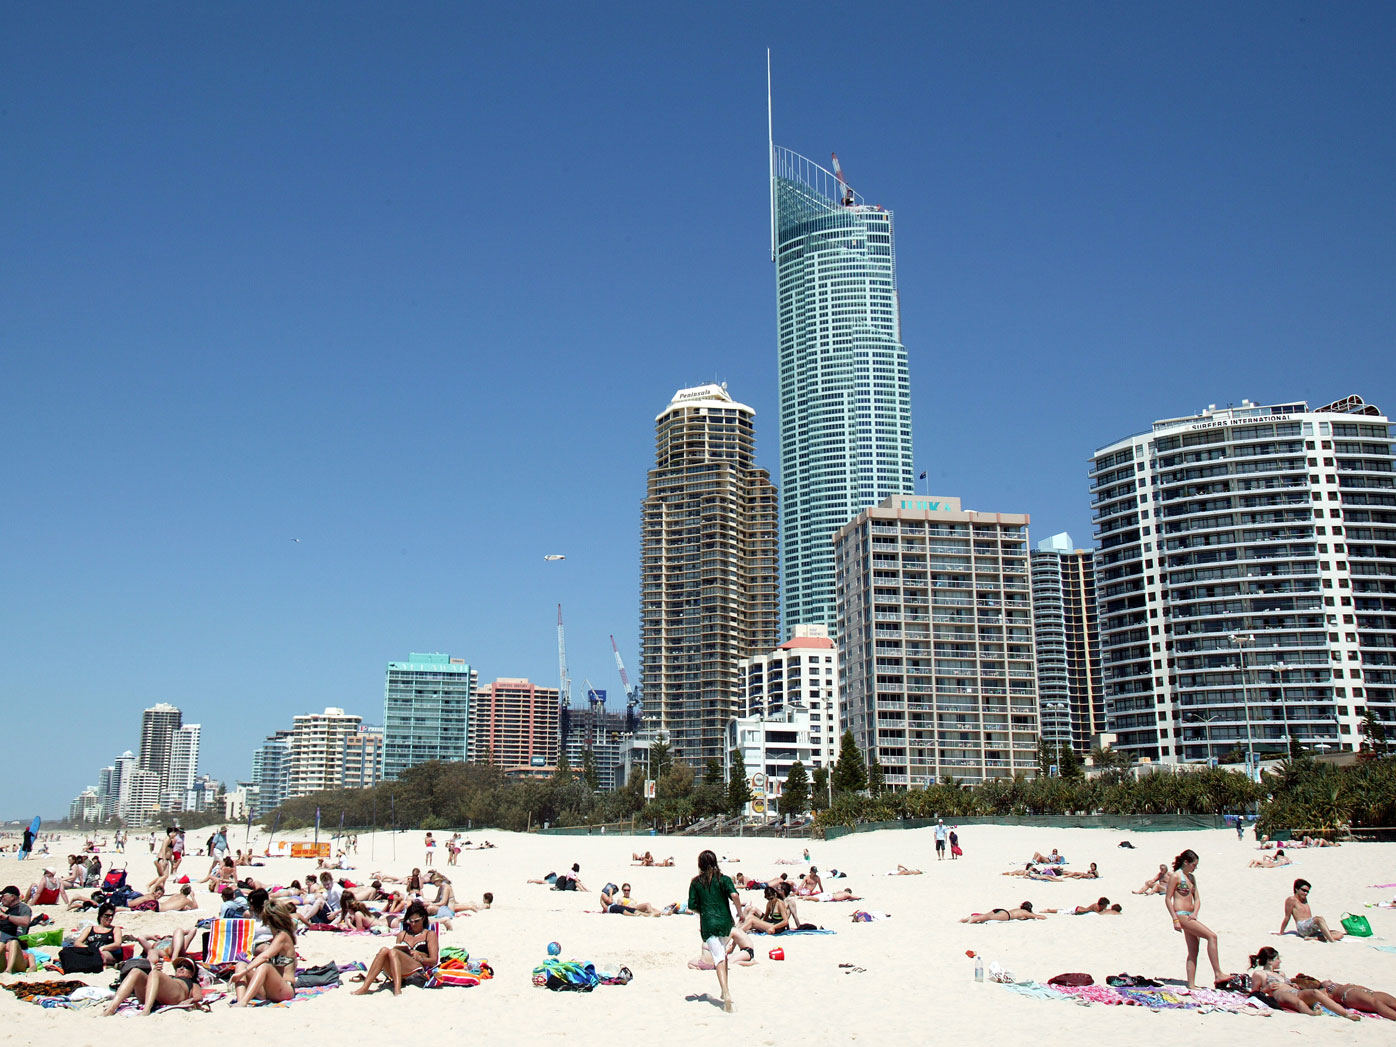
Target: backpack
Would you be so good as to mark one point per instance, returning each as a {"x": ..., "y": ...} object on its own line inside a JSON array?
[{"x": 114, "y": 880}]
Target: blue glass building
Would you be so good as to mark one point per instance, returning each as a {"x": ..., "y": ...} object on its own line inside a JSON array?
[{"x": 845, "y": 392}]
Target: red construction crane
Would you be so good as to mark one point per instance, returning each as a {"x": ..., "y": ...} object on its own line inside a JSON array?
[{"x": 846, "y": 191}]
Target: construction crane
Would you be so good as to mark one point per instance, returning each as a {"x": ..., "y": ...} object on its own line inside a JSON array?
[
  {"x": 564, "y": 688},
  {"x": 632, "y": 697},
  {"x": 846, "y": 192}
]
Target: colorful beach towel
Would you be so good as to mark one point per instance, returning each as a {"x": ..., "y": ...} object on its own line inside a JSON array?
[
  {"x": 307, "y": 993},
  {"x": 789, "y": 934},
  {"x": 229, "y": 940}
]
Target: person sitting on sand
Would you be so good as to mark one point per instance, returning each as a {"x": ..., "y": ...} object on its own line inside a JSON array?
[
  {"x": 1271, "y": 863},
  {"x": 811, "y": 885},
  {"x": 646, "y": 859},
  {"x": 48, "y": 891},
  {"x": 77, "y": 872},
  {"x": 271, "y": 976},
  {"x": 1156, "y": 884},
  {"x": 1267, "y": 978},
  {"x": 1351, "y": 995},
  {"x": 105, "y": 935},
  {"x": 1090, "y": 874},
  {"x": 1306, "y": 924},
  {"x": 774, "y": 919},
  {"x": 411, "y": 958},
  {"x": 902, "y": 870},
  {"x": 354, "y": 914},
  {"x": 1023, "y": 912},
  {"x": 178, "y": 988}
]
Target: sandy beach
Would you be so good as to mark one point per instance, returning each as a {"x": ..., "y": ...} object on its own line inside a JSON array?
[{"x": 916, "y": 981}]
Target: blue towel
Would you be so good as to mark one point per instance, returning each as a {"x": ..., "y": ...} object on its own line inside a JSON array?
[{"x": 789, "y": 934}]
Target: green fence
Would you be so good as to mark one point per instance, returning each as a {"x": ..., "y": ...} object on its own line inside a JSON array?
[{"x": 1128, "y": 822}]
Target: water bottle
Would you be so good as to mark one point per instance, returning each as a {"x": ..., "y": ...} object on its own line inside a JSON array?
[{"x": 979, "y": 968}]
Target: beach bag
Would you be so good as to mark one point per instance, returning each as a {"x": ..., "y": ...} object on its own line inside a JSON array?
[
  {"x": 1074, "y": 978},
  {"x": 324, "y": 974},
  {"x": 45, "y": 939},
  {"x": 80, "y": 959},
  {"x": 1357, "y": 926},
  {"x": 955, "y": 850}
]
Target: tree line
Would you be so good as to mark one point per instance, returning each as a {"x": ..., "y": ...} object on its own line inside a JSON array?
[{"x": 1301, "y": 794}]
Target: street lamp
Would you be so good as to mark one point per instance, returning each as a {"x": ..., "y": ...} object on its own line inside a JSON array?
[
  {"x": 1199, "y": 718},
  {"x": 1240, "y": 640}
]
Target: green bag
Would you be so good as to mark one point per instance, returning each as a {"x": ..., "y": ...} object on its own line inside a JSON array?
[
  {"x": 43, "y": 938},
  {"x": 1357, "y": 926}
]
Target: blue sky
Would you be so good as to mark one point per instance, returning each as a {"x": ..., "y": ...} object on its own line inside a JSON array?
[{"x": 411, "y": 282}]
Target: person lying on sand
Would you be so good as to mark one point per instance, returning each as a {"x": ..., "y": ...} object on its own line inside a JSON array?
[
  {"x": 902, "y": 870},
  {"x": 1351, "y": 995},
  {"x": 1268, "y": 979},
  {"x": 1271, "y": 863},
  {"x": 1023, "y": 912},
  {"x": 1049, "y": 859},
  {"x": 1090, "y": 874},
  {"x": 175, "y": 988},
  {"x": 1101, "y": 906}
]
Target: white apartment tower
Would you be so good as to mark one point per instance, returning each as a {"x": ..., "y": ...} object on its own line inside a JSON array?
[
  {"x": 1246, "y": 578},
  {"x": 318, "y": 743},
  {"x": 935, "y": 621},
  {"x": 183, "y": 766},
  {"x": 802, "y": 673}
]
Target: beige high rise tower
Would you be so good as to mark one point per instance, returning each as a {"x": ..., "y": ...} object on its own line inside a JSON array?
[{"x": 709, "y": 592}]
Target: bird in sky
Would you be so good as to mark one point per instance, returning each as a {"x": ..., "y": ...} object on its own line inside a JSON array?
[
  {"x": 550, "y": 556},
  {"x": 295, "y": 539}
]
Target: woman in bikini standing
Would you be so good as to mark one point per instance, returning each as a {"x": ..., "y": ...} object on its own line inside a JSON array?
[
  {"x": 414, "y": 953},
  {"x": 1184, "y": 902},
  {"x": 272, "y": 975}
]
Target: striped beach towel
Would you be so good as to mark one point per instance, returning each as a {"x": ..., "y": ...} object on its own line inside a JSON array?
[{"x": 228, "y": 941}]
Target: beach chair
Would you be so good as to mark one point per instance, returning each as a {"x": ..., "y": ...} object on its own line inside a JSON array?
[{"x": 228, "y": 941}]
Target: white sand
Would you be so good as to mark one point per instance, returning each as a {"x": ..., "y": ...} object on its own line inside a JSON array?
[{"x": 917, "y": 985}]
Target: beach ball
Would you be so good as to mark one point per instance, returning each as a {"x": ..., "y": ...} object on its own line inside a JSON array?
[{"x": 554, "y": 948}]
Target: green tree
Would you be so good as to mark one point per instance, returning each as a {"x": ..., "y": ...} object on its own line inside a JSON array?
[
  {"x": 794, "y": 798},
  {"x": 589, "y": 773},
  {"x": 819, "y": 789},
  {"x": 564, "y": 769},
  {"x": 1070, "y": 763},
  {"x": 877, "y": 784},
  {"x": 850, "y": 773},
  {"x": 1046, "y": 757},
  {"x": 710, "y": 795},
  {"x": 1374, "y": 742},
  {"x": 738, "y": 789},
  {"x": 660, "y": 758}
]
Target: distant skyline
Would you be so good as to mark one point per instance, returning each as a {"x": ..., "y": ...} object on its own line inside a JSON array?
[{"x": 410, "y": 286}]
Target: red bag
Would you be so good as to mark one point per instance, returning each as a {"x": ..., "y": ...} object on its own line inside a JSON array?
[
  {"x": 955, "y": 850},
  {"x": 1071, "y": 979}
]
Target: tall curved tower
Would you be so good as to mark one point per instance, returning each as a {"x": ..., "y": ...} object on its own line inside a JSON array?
[{"x": 845, "y": 392}]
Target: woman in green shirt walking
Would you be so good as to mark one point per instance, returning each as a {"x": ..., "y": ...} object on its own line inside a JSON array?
[{"x": 711, "y": 895}]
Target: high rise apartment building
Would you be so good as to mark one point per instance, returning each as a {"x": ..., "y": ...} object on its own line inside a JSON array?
[
  {"x": 158, "y": 725},
  {"x": 935, "y": 621},
  {"x": 426, "y": 711},
  {"x": 800, "y": 674},
  {"x": 363, "y": 758},
  {"x": 515, "y": 725},
  {"x": 708, "y": 574},
  {"x": 183, "y": 766},
  {"x": 845, "y": 390},
  {"x": 271, "y": 773},
  {"x": 317, "y": 746},
  {"x": 1070, "y": 692},
  {"x": 1246, "y": 573}
]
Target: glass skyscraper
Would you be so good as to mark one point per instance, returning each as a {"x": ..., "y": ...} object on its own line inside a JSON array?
[
  {"x": 845, "y": 393},
  {"x": 426, "y": 711}
]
